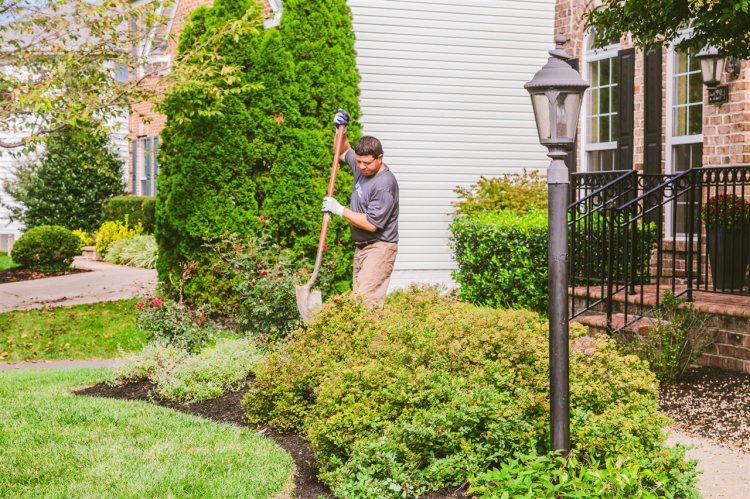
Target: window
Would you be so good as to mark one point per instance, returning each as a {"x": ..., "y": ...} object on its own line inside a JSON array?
[
  {"x": 602, "y": 122},
  {"x": 145, "y": 166},
  {"x": 685, "y": 112}
]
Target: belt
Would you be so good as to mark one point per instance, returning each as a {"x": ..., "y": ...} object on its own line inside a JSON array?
[{"x": 362, "y": 244}]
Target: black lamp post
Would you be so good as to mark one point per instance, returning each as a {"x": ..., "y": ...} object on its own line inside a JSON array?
[
  {"x": 713, "y": 65},
  {"x": 556, "y": 93}
]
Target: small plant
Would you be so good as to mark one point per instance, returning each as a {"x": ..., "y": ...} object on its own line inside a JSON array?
[
  {"x": 214, "y": 371},
  {"x": 86, "y": 238},
  {"x": 174, "y": 323},
  {"x": 48, "y": 248},
  {"x": 143, "y": 365},
  {"x": 677, "y": 338},
  {"x": 262, "y": 280},
  {"x": 138, "y": 251},
  {"x": 519, "y": 193},
  {"x": 113, "y": 231},
  {"x": 726, "y": 210}
]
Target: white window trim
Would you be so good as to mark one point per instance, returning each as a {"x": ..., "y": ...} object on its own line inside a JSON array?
[
  {"x": 589, "y": 56},
  {"x": 670, "y": 139},
  {"x": 275, "y": 21}
]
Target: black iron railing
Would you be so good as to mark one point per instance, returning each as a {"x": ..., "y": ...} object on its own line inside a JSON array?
[{"x": 636, "y": 236}]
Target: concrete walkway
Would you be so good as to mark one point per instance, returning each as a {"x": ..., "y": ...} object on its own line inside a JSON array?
[
  {"x": 105, "y": 282},
  {"x": 60, "y": 364},
  {"x": 725, "y": 472}
]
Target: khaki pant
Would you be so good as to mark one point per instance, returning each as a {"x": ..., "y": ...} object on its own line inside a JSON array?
[{"x": 373, "y": 265}]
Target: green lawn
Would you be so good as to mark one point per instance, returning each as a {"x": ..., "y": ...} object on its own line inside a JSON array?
[
  {"x": 79, "y": 332},
  {"x": 56, "y": 444},
  {"x": 6, "y": 262}
]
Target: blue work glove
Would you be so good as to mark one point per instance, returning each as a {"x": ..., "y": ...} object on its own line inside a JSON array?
[
  {"x": 332, "y": 206},
  {"x": 341, "y": 118}
]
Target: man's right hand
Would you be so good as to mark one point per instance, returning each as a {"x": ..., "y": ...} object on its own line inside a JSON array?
[{"x": 341, "y": 118}]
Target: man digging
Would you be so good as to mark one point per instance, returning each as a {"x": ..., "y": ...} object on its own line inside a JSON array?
[{"x": 372, "y": 215}]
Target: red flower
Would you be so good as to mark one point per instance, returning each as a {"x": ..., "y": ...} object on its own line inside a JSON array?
[
  {"x": 325, "y": 247},
  {"x": 235, "y": 305},
  {"x": 139, "y": 304},
  {"x": 200, "y": 320},
  {"x": 263, "y": 273},
  {"x": 157, "y": 302}
]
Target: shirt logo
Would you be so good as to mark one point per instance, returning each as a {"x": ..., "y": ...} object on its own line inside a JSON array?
[{"x": 358, "y": 188}]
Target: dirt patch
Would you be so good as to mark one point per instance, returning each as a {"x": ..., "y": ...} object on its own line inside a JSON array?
[
  {"x": 228, "y": 409},
  {"x": 712, "y": 404},
  {"x": 17, "y": 274}
]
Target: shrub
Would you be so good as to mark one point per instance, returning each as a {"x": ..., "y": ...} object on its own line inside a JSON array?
[
  {"x": 86, "y": 238},
  {"x": 519, "y": 193},
  {"x": 137, "y": 251},
  {"x": 46, "y": 248},
  {"x": 136, "y": 209},
  {"x": 111, "y": 232},
  {"x": 143, "y": 366},
  {"x": 431, "y": 392},
  {"x": 173, "y": 323},
  {"x": 262, "y": 283},
  {"x": 214, "y": 371},
  {"x": 502, "y": 259},
  {"x": 532, "y": 475},
  {"x": 77, "y": 171},
  {"x": 677, "y": 338}
]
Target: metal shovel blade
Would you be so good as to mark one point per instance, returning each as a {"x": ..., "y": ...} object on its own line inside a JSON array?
[{"x": 309, "y": 301}]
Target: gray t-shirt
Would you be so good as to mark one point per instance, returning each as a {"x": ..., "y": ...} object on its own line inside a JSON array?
[{"x": 376, "y": 197}]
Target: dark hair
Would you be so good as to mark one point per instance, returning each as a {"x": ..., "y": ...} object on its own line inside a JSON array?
[{"x": 369, "y": 146}]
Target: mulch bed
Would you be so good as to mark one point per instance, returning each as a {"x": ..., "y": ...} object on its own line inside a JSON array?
[
  {"x": 18, "y": 274},
  {"x": 708, "y": 403},
  {"x": 713, "y": 404}
]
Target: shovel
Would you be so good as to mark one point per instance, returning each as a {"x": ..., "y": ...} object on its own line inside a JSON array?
[{"x": 310, "y": 300}]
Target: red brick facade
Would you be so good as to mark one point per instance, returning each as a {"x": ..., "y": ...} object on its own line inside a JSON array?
[{"x": 726, "y": 127}]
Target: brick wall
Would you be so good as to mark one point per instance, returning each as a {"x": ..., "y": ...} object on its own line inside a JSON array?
[{"x": 726, "y": 128}]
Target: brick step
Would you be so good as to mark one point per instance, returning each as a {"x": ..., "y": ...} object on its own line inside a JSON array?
[{"x": 597, "y": 323}]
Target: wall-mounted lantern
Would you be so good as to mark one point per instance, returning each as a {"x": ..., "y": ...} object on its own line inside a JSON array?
[{"x": 713, "y": 66}]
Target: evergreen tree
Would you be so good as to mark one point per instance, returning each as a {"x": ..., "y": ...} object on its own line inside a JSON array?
[
  {"x": 253, "y": 153},
  {"x": 77, "y": 171}
]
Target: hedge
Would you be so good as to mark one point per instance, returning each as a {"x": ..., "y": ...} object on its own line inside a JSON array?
[
  {"x": 137, "y": 209},
  {"x": 502, "y": 259}
]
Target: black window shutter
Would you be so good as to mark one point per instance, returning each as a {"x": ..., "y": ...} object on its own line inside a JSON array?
[
  {"x": 626, "y": 63},
  {"x": 570, "y": 159},
  {"x": 652, "y": 101}
]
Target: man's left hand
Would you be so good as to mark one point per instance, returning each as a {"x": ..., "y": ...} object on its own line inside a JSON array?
[{"x": 333, "y": 206}]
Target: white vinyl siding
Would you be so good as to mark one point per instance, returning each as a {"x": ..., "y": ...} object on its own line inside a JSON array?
[{"x": 442, "y": 88}]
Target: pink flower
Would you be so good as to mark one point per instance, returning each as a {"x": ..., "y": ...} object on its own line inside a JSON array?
[
  {"x": 157, "y": 302},
  {"x": 139, "y": 304},
  {"x": 262, "y": 273},
  {"x": 262, "y": 218},
  {"x": 325, "y": 247}
]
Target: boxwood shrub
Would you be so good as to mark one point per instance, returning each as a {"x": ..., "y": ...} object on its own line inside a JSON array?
[
  {"x": 433, "y": 392},
  {"x": 502, "y": 259},
  {"x": 49, "y": 248}
]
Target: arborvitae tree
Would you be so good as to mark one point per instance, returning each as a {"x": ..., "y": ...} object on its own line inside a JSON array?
[
  {"x": 259, "y": 145},
  {"x": 76, "y": 173},
  {"x": 206, "y": 185},
  {"x": 320, "y": 37}
]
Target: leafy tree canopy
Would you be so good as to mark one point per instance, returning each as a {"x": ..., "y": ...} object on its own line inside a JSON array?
[
  {"x": 67, "y": 62},
  {"x": 724, "y": 24},
  {"x": 76, "y": 173}
]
